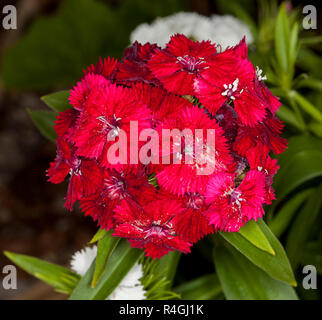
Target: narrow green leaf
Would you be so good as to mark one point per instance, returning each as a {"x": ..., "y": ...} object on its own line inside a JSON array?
[
  {"x": 242, "y": 280},
  {"x": 311, "y": 82},
  {"x": 44, "y": 121},
  {"x": 62, "y": 279},
  {"x": 302, "y": 226},
  {"x": 292, "y": 53},
  {"x": 301, "y": 162},
  {"x": 284, "y": 216},
  {"x": 287, "y": 115},
  {"x": 58, "y": 101},
  {"x": 168, "y": 265},
  {"x": 98, "y": 236},
  {"x": 276, "y": 266},
  {"x": 105, "y": 248},
  {"x": 307, "y": 106},
  {"x": 282, "y": 38},
  {"x": 206, "y": 287},
  {"x": 253, "y": 233},
  {"x": 316, "y": 128},
  {"x": 119, "y": 264}
]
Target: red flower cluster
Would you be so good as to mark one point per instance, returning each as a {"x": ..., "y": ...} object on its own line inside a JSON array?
[{"x": 189, "y": 84}]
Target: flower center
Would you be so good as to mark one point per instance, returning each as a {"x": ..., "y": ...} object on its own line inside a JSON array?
[
  {"x": 115, "y": 187},
  {"x": 156, "y": 231},
  {"x": 231, "y": 90},
  {"x": 110, "y": 126},
  {"x": 195, "y": 201},
  {"x": 190, "y": 64}
]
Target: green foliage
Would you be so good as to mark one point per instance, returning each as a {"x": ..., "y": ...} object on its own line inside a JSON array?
[
  {"x": 62, "y": 279},
  {"x": 57, "y": 101},
  {"x": 242, "y": 280},
  {"x": 44, "y": 121},
  {"x": 119, "y": 264},
  {"x": 253, "y": 233},
  {"x": 156, "y": 279},
  {"x": 277, "y": 266},
  {"x": 105, "y": 248},
  {"x": 206, "y": 287}
]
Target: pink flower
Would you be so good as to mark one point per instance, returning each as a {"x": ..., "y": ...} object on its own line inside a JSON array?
[
  {"x": 259, "y": 160},
  {"x": 80, "y": 93},
  {"x": 134, "y": 65},
  {"x": 231, "y": 206},
  {"x": 266, "y": 133},
  {"x": 85, "y": 175},
  {"x": 179, "y": 178},
  {"x": 181, "y": 62},
  {"x": 105, "y": 68},
  {"x": 117, "y": 187},
  {"x": 150, "y": 227},
  {"x": 162, "y": 103},
  {"x": 107, "y": 111},
  {"x": 233, "y": 84},
  {"x": 191, "y": 224}
]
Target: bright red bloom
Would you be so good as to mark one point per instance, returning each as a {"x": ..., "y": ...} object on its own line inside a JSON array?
[
  {"x": 134, "y": 65},
  {"x": 105, "y": 68},
  {"x": 65, "y": 123},
  {"x": 117, "y": 187},
  {"x": 85, "y": 175},
  {"x": 190, "y": 223},
  {"x": 186, "y": 176},
  {"x": 181, "y": 62},
  {"x": 162, "y": 103},
  {"x": 266, "y": 133},
  {"x": 235, "y": 87},
  {"x": 214, "y": 119},
  {"x": 107, "y": 111},
  {"x": 80, "y": 93},
  {"x": 261, "y": 161},
  {"x": 150, "y": 227},
  {"x": 231, "y": 206}
]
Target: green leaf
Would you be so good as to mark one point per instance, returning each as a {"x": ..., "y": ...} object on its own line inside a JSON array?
[
  {"x": 58, "y": 101},
  {"x": 276, "y": 266},
  {"x": 98, "y": 236},
  {"x": 287, "y": 115},
  {"x": 105, "y": 248},
  {"x": 302, "y": 226},
  {"x": 301, "y": 162},
  {"x": 282, "y": 38},
  {"x": 292, "y": 53},
  {"x": 44, "y": 121},
  {"x": 155, "y": 280},
  {"x": 311, "y": 82},
  {"x": 253, "y": 233},
  {"x": 168, "y": 265},
  {"x": 242, "y": 280},
  {"x": 62, "y": 279},
  {"x": 284, "y": 216},
  {"x": 206, "y": 287},
  {"x": 307, "y": 106},
  {"x": 316, "y": 128},
  {"x": 119, "y": 264}
]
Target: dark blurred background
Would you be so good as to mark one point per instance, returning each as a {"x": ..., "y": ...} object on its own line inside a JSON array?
[{"x": 55, "y": 40}]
